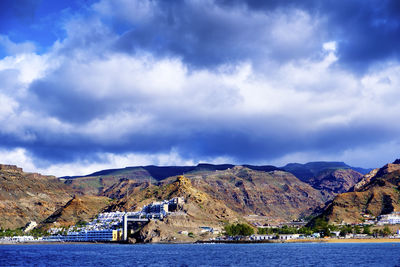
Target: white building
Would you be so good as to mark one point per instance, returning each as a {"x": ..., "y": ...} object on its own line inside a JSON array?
[
  {"x": 29, "y": 226},
  {"x": 89, "y": 236},
  {"x": 392, "y": 218},
  {"x": 261, "y": 237},
  {"x": 288, "y": 236}
]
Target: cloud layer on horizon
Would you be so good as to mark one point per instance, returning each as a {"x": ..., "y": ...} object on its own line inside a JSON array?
[{"x": 179, "y": 82}]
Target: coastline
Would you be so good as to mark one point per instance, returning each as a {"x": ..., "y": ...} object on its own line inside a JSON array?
[
  {"x": 55, "y": 243},
  {"x": 322, "y": 240},
  {"x": 326, "y": 240},
  {"x": 363, "y": 240}
]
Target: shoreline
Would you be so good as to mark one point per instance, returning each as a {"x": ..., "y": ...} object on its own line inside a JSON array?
[
  {"x": 363, "y": 240},
  {"x": 322, "y": 240},
  {"x": 326, "y": 240}
]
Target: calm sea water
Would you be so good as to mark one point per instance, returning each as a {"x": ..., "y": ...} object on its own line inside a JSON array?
[{"x": 314, "y": 254}]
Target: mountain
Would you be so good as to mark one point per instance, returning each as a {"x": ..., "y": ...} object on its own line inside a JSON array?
[
  {"x": 329, "y": 177},
  {"x": 215, "y": 193},
  {"x": 377, "y": 193},
  {"x": 312, "y": 169},
  {"x": 277, "y": 194},
  {"x": 28, "y": 197},
  {"x": 335, "y": 181},
  {"x": 199, "y": 209},
  {"x": 97, "y": 182}
]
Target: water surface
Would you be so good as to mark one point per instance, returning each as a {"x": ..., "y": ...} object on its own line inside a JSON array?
[{"x": 309, "y": 254}]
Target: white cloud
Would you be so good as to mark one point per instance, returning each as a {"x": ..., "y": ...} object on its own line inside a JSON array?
[
  {"x": 13, "y": 48},
  {"x": 330, "y": 46}
]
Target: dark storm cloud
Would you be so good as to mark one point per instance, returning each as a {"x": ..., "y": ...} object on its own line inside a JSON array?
[
  {"x": 225, "y": 31},
  {"x": 366, "y": 31},
  {"x": 208, "y": 34}
]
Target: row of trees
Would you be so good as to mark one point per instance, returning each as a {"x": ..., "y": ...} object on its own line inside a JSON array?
[{"x": 320, "y": 226}]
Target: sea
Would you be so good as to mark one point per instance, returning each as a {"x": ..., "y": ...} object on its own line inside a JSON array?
[{"x": 297, "y": 254}]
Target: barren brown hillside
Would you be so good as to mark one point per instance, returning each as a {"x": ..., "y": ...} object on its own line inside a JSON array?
[
  {"x": 378, "y": 193},
  {"x": 28, "y": 197}
]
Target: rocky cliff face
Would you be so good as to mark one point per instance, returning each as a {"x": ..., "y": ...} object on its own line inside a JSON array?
[
  {"x": 331, "y": 178},
  {"x": 335, "y": 181},
  {"x": 28, "y": 197},
  {"x": 278, "y": 195},
  {"x": 198, "y": 204},
  {"x": 377, "y": 193}
]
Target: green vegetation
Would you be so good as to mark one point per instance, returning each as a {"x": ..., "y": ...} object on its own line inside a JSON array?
[
  {"x": 10, "y": 233},
  {"x": 265, "y": 231},
  {"x": 240, "y": 229},
  {"x": 367, "y": 230},
  {"x": 81, "y": 223},
  {"x": 321, "y": 226},
  {"x": 386, "y": 231},
  {"x": 37, "y": 232},
  {"x": 190, "y": 234},
  {"x": 285, "y": 230}
]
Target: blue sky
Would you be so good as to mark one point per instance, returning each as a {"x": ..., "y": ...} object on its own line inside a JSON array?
[{"x": 87, "y": 85}]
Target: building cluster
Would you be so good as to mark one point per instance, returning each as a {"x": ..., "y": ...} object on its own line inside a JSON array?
[
  {"x": 17, "y": 239},
  {"x": 108, "y": 226},
  {"x": 159, "y": 210},
  {"x": 284, "y": 237},
  {"x": 392, "y": 218}
]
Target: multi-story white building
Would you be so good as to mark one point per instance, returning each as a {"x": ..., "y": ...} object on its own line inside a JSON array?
[
  {"x": 392, "y": 218},
  {"x": 89, "y": 236}
]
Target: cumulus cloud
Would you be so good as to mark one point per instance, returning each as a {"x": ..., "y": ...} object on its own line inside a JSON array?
[{"x": 194, "y": 81}]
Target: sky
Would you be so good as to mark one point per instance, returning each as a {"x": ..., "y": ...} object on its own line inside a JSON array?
[{"x": 87, "y": 85}]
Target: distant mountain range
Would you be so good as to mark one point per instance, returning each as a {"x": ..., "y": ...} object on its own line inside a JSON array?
[
  {"x": 159, "y": 173},
  {"x": 332, "y": 177},
  {"x": 312, "y": 169},
  {"x": 302, "y": 171}
]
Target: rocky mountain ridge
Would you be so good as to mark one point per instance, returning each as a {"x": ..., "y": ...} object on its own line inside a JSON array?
[
  {"x": 376, "y": 194},
  {"x": 331, "y": 177}
]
